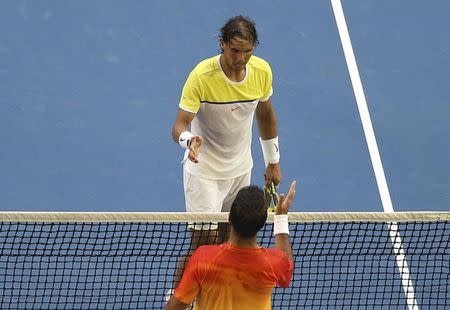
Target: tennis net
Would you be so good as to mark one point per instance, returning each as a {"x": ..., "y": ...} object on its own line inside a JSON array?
[{"x": 127, "y": 260}]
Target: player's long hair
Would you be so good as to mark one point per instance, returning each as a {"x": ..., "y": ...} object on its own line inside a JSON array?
[
  {"x": 239, "y": 26},
  {"x": 248, "y": 212}
]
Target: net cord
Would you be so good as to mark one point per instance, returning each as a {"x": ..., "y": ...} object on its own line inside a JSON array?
[{"x": 155, "y": 217}]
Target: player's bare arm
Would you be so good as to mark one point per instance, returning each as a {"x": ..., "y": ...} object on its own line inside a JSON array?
[
  {"x": 267, "y": 125},
  {"x": 282, "y": 239},
  {"x": 181, "y": 124},
  {"x": 175, "y": 304}
]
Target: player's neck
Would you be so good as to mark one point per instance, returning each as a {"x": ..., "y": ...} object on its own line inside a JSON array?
[
  {"x": 232, "y": 74},
  {"x": 235, "y": 240}
]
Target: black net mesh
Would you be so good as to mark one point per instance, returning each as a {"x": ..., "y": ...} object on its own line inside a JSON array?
[{"x": 132, "y": 265}]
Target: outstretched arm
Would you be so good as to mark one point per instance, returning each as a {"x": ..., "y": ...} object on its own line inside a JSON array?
[
  {"x": 282, "y": 233},
  {"x": 180, "y": 126},
  {"x": 175, "y": 304},
  {"x": 267, "y": 125}
]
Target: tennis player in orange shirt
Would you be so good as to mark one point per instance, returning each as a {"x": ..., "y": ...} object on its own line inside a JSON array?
[{"x": 239, "y": 274}]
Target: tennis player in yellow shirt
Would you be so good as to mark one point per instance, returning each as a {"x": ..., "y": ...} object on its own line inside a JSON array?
[{"x": 218, "y": 102}]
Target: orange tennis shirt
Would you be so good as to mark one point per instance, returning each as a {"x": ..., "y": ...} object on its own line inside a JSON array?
[{"x": 226, "y": 277}]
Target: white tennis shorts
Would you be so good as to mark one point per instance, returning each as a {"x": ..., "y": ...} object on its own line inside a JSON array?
[{"x": 206, "y": 195}]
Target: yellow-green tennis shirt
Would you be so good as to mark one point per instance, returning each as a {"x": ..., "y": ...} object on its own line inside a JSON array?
[{"x": 224, "y": 115}]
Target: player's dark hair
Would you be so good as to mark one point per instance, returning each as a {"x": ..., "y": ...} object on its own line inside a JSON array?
[
  {"x": 248, "y": 212},
  {"x": 239, "y": 26}
]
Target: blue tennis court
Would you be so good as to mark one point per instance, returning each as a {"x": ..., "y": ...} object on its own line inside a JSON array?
[{"x": 90, "y": 91}]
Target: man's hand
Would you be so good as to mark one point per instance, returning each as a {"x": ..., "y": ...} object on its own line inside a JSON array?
[
  {"x": 284, "y": 203},
  {"x": 175, "y": 304},
  {"x": 194, "y": 148},
  {"x": 273, "y": 174}
]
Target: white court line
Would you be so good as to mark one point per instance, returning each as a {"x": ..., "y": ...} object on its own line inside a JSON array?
[{"x": 374, "y": 153}]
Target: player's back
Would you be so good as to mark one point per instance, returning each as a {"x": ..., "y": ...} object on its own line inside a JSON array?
[{"x": 238, "y": 278}]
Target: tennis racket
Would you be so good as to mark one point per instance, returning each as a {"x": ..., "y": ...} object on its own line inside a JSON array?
[{"x": 271, "y": 197}]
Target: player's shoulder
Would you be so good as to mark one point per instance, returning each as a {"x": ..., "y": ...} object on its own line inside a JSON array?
[
  {"x": 275, "y": 253},
  {"x": 206, "y": 66},
  {"x": 208, "y": 250},
  {"x": 259, "y": 63}
]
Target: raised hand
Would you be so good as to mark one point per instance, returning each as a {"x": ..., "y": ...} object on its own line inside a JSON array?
[{"x": 284, "y": 202}]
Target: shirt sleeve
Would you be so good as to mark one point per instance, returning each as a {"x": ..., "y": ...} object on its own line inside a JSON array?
[
  {"x": 268, "y": 90},
  {"x": 189, "y": 287},
  {"x": 284, "y": 268},
  {"x": 191, "y": 94}
]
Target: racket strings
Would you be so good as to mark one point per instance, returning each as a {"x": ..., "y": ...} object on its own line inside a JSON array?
[{"x": 271, "y": 197}]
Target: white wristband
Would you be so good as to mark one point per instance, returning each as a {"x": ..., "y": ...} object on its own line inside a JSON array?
[
  {"x": 185, "y": 139},
  {"x": 280, "y": 224},
  {"x": 271, "y": 151}
]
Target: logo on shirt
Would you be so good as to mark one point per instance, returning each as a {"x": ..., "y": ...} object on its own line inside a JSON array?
[{"x": 234, "y": 108}]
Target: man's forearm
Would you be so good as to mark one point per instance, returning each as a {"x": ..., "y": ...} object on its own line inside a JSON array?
[
  {"x": 267, "y": 121},
  {"x": 177, "y": 129},
  {"x": 268, "y": 127},
  {"x": 175, "y": 304},
  {"x": 182, "y": 122},
  {"x": 283, "y": 243}
]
